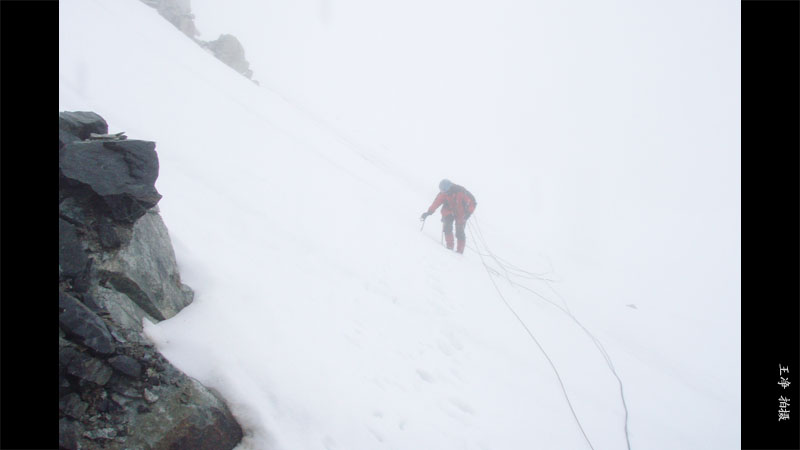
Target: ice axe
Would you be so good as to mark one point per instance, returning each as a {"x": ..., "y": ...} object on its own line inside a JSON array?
[{"x": 422, "y": 219}]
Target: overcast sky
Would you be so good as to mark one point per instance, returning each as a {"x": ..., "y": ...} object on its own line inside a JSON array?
[{"x": 601, "y": 141}]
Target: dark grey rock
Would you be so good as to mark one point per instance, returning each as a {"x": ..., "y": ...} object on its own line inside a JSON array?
[
  {"x": 81, "y": 123},
  {"x": 120, "y": 400},
  {"x": 146, "y": 271},
  {"x": 121, "y": 173},
  {"x": 72, "y": 259},
  {"x": 70, "y": 210},
  {"x": 95, "y": 306},
  {"x": 85, "y": 279},
  {"x": 229, "y": 50},
  {"x": 65, "y": 137},
  {"x": 101, "y": 433},
  {"x": 86, "y": 327},
  {"x": 125, "y": 389},
  {"x": 69, "y": 431},
  {"x": 64, "y": 387},
  {"x": 126, "y": 365},
  {"x": 104, "y": 405},
  {"x": 89, "y": 369},
  {"x": 65, "y": 356},
  {"x": 122, "y": 311},
  {"x": 188, "y": 416},
  {"x": 72, "y": 405},
  {"x": 109, "y": 238},
  {"x": 119, "y": 337}
]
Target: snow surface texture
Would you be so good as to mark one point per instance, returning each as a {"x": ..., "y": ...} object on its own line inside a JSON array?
[{"x": 601, "y": 141}]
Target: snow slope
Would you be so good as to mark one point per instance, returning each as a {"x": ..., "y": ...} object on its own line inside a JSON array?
[{"x": 324, "y": 314}]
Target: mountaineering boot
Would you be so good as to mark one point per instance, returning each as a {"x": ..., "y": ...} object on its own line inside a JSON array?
[
  {"x": 448, "y": 240},
  {"x": 461, "y": 244}
]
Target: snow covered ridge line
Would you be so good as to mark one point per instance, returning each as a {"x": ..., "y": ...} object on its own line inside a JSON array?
[
  {"x": 226, "y": 48},
  {"x": 116, "y": 268}
]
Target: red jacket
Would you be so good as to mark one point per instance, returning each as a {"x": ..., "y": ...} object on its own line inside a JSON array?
[{"x": 457, "y": 201}]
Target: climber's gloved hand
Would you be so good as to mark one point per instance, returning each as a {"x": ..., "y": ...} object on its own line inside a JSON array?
[{"x": 424, "y": 215}]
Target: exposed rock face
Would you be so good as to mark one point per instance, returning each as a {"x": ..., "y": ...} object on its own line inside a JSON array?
[
  {"x": 229, "y": 50},
  {"x": 72, "y": 258},
  {"x": 196, "y": 419},
  {"x": 145, "y": 270},
  {"x": 116, "y": 267},
  {"x": 79, "y": 125},
  {"x": 177, "y": 12},
  {"x": 84, "y": 326},
  {"x": 226, "y": 48},
  {"x": 120, "y": 173}
]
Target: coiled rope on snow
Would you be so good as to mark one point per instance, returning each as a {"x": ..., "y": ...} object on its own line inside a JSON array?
[
  {"x": 509, "y": 270},
  {"x": 536, "y": 341}
]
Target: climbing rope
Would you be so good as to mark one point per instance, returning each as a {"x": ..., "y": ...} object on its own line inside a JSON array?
[
  {"x": 510, "y": 270},
  {"x": 536, "y": 341}
]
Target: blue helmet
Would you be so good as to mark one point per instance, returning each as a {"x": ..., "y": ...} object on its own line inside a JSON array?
[{"x": 445, "y": 185}]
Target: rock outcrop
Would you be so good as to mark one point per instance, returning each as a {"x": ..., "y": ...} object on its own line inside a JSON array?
[
  {"x": 178, "y": 13},
  {"x": 117, "y": 267},
  {"x": 229, "y": 50},
  {"x": 120, "y": 174},
  {"x": 226, "y": 48}
]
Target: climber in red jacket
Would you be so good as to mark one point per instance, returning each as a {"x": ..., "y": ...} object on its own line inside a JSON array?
[{"x": 457, "y": 205}]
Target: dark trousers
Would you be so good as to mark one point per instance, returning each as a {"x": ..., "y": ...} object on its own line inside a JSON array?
[{"x": 447, "y": 227}]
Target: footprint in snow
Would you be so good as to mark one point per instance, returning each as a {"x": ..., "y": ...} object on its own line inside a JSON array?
[
  {"x": 329, "y": 443},
  {"x": 454, "y": 342},
  {"x": 462, "y": 406},
  {"x": 444, "y": 348},
  {"x": 425, "y": 375},
  {"x": 377, "y": 435}
]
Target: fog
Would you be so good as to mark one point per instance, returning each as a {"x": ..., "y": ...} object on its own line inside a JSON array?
[{"x": 600, "y": 140}]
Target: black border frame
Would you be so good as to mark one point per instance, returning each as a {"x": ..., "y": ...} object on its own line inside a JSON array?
[{"x": 770, "y": 222}]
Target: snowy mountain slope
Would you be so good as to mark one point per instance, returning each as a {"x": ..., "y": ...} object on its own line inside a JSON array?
[{"x": 329, "y": 320}]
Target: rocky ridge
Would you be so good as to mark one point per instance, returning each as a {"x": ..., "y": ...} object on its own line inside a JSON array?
[
  {"x": 116, "y": 268},
  {"x": 226, "y": 48}
]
